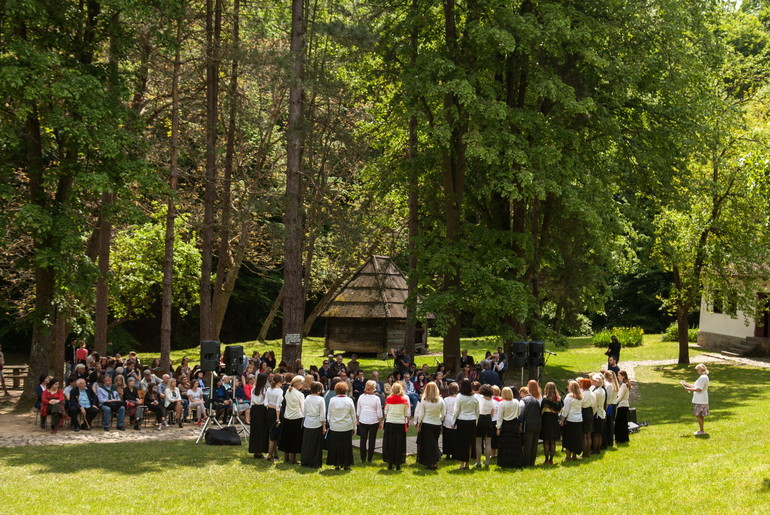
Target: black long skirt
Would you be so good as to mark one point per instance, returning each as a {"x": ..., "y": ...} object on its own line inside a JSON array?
[
  {"x": 588, "y": 420},
  {"x": 259, "y": 431},
  {"x": 394, "y": 444},
  {"x": 573, "y": 437},
  {"x": 509, "y": 453},
  {"x": 466, "y": 440},
  {"x": 291, "y": 436},
  {"x": 312, "y": 447},
  {"x": 340, "y": 445},
  {"x": 609, "y": 427},
  {"x": 274, "y": 428},
  {"x": 621, "y": 425},
  {"x": 550, "y": 431},
  {"x": 428, "y": 452},
  {"x": 449, "y": 442}
]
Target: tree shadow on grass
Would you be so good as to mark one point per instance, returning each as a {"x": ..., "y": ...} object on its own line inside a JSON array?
[{"x": 765, "y": 487}]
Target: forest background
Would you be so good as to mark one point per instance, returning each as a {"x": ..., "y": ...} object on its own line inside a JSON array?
[{"x": 175, "y": 171}]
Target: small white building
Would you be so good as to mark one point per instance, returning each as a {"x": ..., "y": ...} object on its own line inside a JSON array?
[{"x": 721, "y": 330}]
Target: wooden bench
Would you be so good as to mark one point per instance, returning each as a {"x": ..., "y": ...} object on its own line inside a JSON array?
[{"x": 18, "y": 375}]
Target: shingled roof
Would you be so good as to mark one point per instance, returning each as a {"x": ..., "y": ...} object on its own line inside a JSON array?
[{"x": 377, "y": 290}]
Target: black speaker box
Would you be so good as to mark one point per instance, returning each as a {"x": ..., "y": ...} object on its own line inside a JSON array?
[
  {"x": 519, "y": 352},
  {"x": 209, "y": 356},
  {"x": 224, "y": 436},
  {"x": 234, "y": 360},
  {"x": 536, "y": 354}
]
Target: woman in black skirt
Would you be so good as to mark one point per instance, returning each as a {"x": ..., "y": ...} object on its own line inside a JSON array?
[
  {"x": 484, "y": 427},
  {"x": 466, "y": 415},
  {"x": 314, "y": 427},
  {"x": 396, "y": 424},
  {"x": 600, "y": 400},
  {"x": 342, "y": 421},
  {"x": 449, "y": 440},
  {"x": 611, "y": 386},
  {"x": 273, "y": 402},
  {"x": 588, "y": 408},
  {"x": 429, "y": 414},
  {"x": 621, "y": 420},
  {"x": 550, "y": 432},
  {"x": 291, "y": 427},
  {"x": 259, "y": 431},
  {"x": 508, "y": 432},
  {"x": 572, "y": 420}
]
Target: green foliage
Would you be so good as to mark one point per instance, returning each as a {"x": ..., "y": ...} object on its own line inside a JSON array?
[
  {"x": 136, "y": 269},
  {"x": 627, "y": 336},
  {"x": 121, "y": 342},
  {"x": 672, "y": 334}
]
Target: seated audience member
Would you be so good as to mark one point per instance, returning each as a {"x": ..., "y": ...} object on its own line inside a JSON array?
[
  {"x": 195, "y": 398},
  {"x": 182, "y": 369},
  {"x": 338, "y": 366},
  {"x": 173, "y": 401},
  {"x": 359, "y": 383},
  {"x": 84, "y": 403},
  {"x": 155, "y": 405},
  {"x": 325, "y": 372},
  {"x": 241, "y": 401},
  {"x": 110, "y": 403},
  {"x": 53, "y": 404},
  {"x": 223, "y": 398},
  {"x": 353, "y": 365},
  {"x": 410, "y": 392},
  {"x": 134, "y": 399},
  {"x": 379, "y": 387},
  {"x": 443, "y": 386},
  {"x": 42, "y": 384},
  {"x": 488, "y": 376},
  {"x": 73, "y": 385},
  {"x": 149, "y": 380}
]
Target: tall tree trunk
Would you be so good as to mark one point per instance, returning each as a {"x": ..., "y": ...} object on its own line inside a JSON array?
[
  {"x": 232, "y": 276},
  {"x": 168, "y": 254},
  {"x": 60, "y": 332},
  {"x": 294, "y": 293},
  {"x": 225, "y": 264},
  {"x": 454, "y": 185},
  {"x": 102, "y": 291},
  {"x": 213, "y": 29},
  {"x": 271, "y": 316},
  {"x": 414, "y": 202}
]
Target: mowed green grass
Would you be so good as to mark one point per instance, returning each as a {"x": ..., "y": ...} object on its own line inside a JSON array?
[{"x": 663, "y": 470}]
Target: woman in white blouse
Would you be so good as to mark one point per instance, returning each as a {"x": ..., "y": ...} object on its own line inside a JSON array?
[
  {"x": 429, "y": 415},
  {"x": 588, "y": 408},
  {"x": 449, "y": 440},
  {"x": 342, "y": 421},
  {"x": 396, "y": 425},
  {"x": 700, "y": 396},
  {"x": 600, "y": 401},
  {"x": 484, "y": 427},
  {"x": 259, "y": 431},
  {"x": 314, "y": 427},
  {"x": 369, "y": 411},
  {"x": 572, "y": 420},
  {"x": 273, "y": 402},
  {"x": 508, "y": 431},
  {"x": 174, "y": 401},
  {"x": 291, "y": 428},
  {"x": 611, "y": 386},
  {"x": 621, "y": 420},
  {"x": 466, "y": 414}
]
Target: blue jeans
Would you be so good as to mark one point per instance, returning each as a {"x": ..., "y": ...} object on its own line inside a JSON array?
[{"x": 107, "y": 416}]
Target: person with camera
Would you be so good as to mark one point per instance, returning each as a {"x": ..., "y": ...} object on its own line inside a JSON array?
[{"x": 110, "y": 403}]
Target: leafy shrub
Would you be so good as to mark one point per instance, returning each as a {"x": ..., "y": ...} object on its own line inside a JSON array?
[
  {"x": 672, "y": 334},
  {"x": 628, "y": 336},
  {"x": 121, "y": 342}
]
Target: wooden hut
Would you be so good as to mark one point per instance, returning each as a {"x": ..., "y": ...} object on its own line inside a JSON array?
[{"x": 368, "y": 314}]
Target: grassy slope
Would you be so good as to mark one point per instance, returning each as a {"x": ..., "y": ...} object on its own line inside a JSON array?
[{"x": 665, "y": 469}]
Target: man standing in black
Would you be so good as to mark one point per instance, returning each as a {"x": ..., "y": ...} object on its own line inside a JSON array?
[{"x": 614, "y": 349}]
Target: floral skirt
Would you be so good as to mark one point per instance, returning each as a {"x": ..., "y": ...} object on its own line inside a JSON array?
[{"x": 701, "y": 410}]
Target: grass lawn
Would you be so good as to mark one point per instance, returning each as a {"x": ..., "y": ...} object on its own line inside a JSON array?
[{"x": 663, "y": 470}]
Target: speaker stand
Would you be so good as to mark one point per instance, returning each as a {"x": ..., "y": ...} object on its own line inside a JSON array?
[{"x": 209, "y": 411}]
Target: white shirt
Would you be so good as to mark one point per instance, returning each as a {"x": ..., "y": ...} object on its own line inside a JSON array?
[
  {"x": 315, "y": 411},
  {"x": 588, "y": 400},
  {"x": 572, "y": 409},
  {"x": 172, "y": 395},
  {"x": 496, "y": 413},
  {"x": 449, "y": 410},
  {"x": 258, "y": 399},
  {"x": 466, "y": 408},
  {"x": 369, "y": 409},
  {"x": 342, "y": 413},
  {"x": 274, "y": 397},
  {"x": 507, "y": 410},
  {"x": 430, "y": 412},
  {"x": 701, "y": 397},
  {"x": 195, "y": 395},
  {"x": 295, "y": 404},
  {"x": 611, "y": 393},
  {"x": 599, "y": 397},
  {"x": 396, "y": 413},
  {"x": 486, "y": 406},
  {"x": 622, "y": 399}
]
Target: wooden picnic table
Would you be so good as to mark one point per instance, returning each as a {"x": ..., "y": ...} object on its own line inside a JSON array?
[{"x": 18, "y": 374}]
